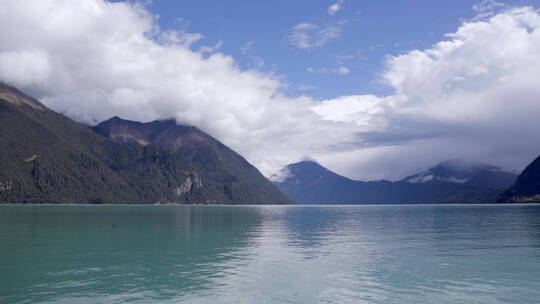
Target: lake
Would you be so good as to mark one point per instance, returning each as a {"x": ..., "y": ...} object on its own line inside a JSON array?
[{"x": 270, "y": 254}]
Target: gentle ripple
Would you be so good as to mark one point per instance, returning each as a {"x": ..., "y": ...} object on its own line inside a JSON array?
[{"x": 270, "y": 254}]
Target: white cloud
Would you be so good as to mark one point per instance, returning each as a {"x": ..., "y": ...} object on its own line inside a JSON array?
[
  {"x": 362, "y": 110},
  {"x": 247, "y": 47},
  {"x": 309, "y": 35},
  {"x": 210, "y": 49},
  {"x": 336, "y": 7},
  {"x": 93, "y": 59},
  {"x": 474, "y": 95},
  {"x": 487, "y": 8},
  {"x": 342, "y": 70},
  {"x": 25, "y": 67},
  {"x": 337, "y": 70},
  {"x": 281, "y": 175}
]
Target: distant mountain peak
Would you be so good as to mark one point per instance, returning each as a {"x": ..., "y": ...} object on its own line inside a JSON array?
[
  {"x": 115, "y": 119},
  {"x": 119, "y": 120},
  {"x": 466, "y": 172},
  {"x": 459, "y": 164},
  {"x": 455, "y": 180},
  {"x": 165, "y": 132},
  {"x": 306, "y": 166},
  {"x": 305, "y": 172},
  {"x": 122, "y": 130},
  {"x": 309, "y": 166},
  {"x": 306, "y": 162}
]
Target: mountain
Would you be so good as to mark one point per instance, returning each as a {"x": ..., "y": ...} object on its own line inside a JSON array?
[
  {"x": 468, "y": 173},
  {"x": 527, "y": 186},
  {"x": 224, "y": 172},
  {"x": 449, "y": 182},
  {"x": 48, "y": 158},
  {"x": 309, "y": 182}
]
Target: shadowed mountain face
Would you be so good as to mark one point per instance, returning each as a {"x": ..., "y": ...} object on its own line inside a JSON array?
[
  {"x": 527, "y": 186},
  {"x": 449, "y": 182},
  {"x": 48, "y": 158},
  {"x": 221, "y": 170}
]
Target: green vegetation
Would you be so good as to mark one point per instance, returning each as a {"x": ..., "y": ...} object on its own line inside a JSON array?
[
  {"x": 220, "y": 171},
  {"x": 76, "y": 165}
]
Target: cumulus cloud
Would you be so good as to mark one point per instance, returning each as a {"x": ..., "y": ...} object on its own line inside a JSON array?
[
  {"x": 93, "y": 59},
  {"x": 474, "y": 95},
  {"x": 336, "y": 7},
  {"x": 309, "y": 35}
]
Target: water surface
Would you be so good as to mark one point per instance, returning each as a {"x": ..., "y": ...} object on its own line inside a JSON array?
[{"x": 270, "y": 254}]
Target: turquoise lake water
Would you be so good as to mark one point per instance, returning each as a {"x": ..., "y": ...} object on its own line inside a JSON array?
[{"x": 270, "y": 254}]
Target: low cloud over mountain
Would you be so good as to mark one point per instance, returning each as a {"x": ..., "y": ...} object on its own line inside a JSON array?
[{"x": 474, "y": 95}]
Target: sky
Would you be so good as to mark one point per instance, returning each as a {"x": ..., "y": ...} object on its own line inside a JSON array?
[
  {"x": 344, "y": 59},
  {"x": 370, "y": 89}
]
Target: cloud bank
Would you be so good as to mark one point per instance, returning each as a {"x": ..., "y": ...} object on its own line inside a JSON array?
[{"x": 474, "y": 95}]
